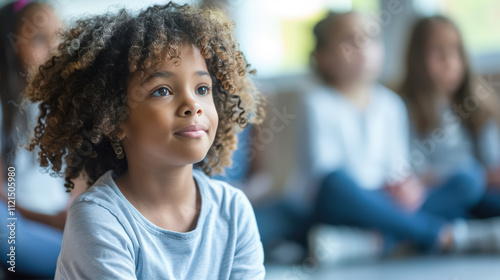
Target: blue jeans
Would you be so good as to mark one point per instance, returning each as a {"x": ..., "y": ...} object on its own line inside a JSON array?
[
  {"x": 37, "y": 245},
  {"x": 488, "y": 206},
  {"x": 342, "y": 202},
  {"x": 280, "y": 220}
]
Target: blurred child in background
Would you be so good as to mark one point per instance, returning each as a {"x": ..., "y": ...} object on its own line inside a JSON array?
[
  {"x": 455, "y": 139},
  {"x": 358, "y": 135},
  {"x": 27, "y": 38}
]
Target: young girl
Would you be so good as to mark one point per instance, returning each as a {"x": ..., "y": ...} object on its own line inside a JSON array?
[
  {"x": 455, "y": 133},
  {"x": 146, "y": 107}
]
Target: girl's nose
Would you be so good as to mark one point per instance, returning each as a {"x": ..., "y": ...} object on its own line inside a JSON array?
[{"x": 190, "y": 106}]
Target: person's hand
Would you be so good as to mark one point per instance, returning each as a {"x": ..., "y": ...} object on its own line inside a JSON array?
[{"x": 409, "y": 194}]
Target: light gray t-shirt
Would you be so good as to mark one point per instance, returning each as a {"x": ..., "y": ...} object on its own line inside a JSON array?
[
  {"x": 450, "y": 147},
  {"x": 106, "y": 237}
]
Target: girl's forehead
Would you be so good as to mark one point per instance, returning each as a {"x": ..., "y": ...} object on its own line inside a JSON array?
[
  {"x": 189, "y": 57},
  {"x": 348, "y": 24},
  {"x": 41, "y": 17},
  {"x": 189, "y": 61},
  {"x": 443, "y": 32}
]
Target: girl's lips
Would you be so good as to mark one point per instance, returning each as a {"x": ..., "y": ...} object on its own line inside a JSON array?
[{"x": 193, "y": 131}]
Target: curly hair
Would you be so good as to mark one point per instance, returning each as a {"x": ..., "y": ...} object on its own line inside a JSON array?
[{"x": 82, "y": 89}]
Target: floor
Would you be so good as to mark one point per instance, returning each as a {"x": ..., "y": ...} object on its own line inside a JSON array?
[{"x": 427, "y": 268}]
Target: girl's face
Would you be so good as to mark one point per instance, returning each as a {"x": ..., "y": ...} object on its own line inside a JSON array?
[
  {"x": 444, "y": 61},
  {"x": 172, "y": 118},
  {"x": 351, "y": 55},
  {"x": 36, "y": 31}
]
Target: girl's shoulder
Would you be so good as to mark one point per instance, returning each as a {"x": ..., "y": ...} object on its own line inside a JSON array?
[
  {"x": 101, "y": 195},
  {"x": 386, "y": 94},
  {"x": 389, "y": 101}
]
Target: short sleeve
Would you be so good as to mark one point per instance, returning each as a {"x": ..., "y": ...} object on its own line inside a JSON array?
[
  {"x": 95, "y": 245},
  {"x": 248, "y": 260}
]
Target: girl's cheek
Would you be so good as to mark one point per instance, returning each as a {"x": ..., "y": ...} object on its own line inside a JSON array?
[
  {"x": 213, "y": 117},
  {"x": 209, "y": 106},
  {"x": 458, "y": 62},
  {"x": 431, "y": 64}
]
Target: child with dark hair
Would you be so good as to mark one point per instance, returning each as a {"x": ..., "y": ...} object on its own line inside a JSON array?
[
  {"x": 146, "y": 106},
  {"x": 453, "y": 131},
  {"x": 357, "y": 136}
]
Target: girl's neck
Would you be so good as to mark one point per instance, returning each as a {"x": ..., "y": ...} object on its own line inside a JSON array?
[
  {"x": 442, "y": 98},
  {"x": 167, "y": 197},
  {"x": 158, "y": 187}
]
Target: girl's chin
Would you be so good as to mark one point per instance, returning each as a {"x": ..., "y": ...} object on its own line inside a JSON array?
[{"x": 194, "y": 158}]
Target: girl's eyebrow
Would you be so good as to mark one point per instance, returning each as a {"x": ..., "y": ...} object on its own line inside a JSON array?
[
  {"x": 161, "y": 74},
  {"x": 166, "y": 74},
  {"x": 202, "y": 73}
]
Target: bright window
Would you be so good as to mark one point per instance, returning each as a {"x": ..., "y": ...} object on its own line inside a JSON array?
[
  {"x": 276, "y": 36},
  {"x": 478, "y": 21}
]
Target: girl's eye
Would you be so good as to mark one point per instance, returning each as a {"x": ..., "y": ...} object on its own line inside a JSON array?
[
  {"x": 203, "y": 90},
  {"x": 161, "y": 92}
]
